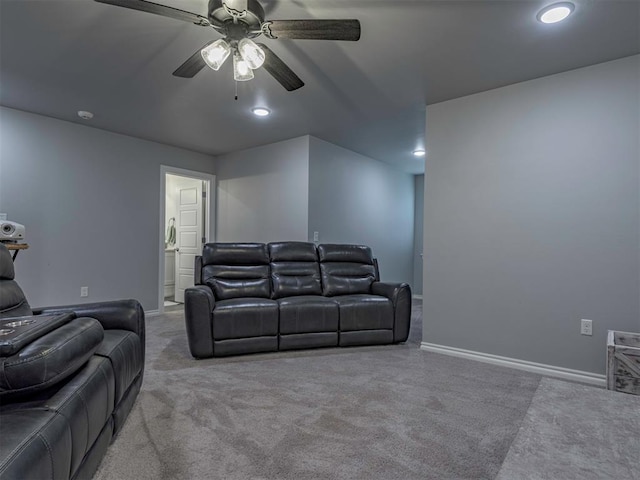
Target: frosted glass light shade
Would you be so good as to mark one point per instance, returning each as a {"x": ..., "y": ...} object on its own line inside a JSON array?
[
  {"x": 215, "y": 54},
  {"x": 241, "y": 70},
  {"x": 555, "y": 13},
  {"x": 251, "y": 53}
]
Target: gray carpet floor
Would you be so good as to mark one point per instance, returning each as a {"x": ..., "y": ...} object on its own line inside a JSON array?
[
  {"x": 387, "y": 412},
  {"x": 576, "y": 432}
]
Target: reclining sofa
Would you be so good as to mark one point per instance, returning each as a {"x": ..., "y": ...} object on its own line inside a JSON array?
[
  {"x": 69, "y": 377},
  {"x": 255, "y": 297}
]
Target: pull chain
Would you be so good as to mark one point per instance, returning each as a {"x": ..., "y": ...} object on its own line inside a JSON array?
[{"x": 236, "y": 90}]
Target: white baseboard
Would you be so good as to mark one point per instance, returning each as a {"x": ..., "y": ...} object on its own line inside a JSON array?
[
  {"x": 417, "y": 297},
  {"x": 151, "y": 313},
  {"x": 540, "y": 368}
]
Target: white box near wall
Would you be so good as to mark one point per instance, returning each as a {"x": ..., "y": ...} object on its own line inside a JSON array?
[{"x": 623, "y": 362}]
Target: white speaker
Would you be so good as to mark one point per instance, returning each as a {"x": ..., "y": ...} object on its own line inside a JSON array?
[{"x": 11, "y": 231}]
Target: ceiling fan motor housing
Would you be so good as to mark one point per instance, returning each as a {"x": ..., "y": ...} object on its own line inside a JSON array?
[{"x": 220, "y": 17}]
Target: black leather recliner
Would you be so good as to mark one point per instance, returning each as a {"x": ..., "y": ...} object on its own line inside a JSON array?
[
  {"x": 69, "y": 377},
  {"x": 255, "y": 297}
]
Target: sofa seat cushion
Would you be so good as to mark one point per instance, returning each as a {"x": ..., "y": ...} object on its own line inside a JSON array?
[
  {"x": 364, "y": 312},
  {"x": 245, "y": 317},
  {"x": 50, "y": 358},
  {"x": 308, "y": 314},
  {"x": 34, "y": 444},
  {"x": 124, "y": 350}
]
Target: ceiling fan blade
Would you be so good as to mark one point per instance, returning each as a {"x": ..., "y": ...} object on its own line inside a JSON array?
[
  {"x": 313, "y": 29},
  {"x": 279, "y": 70},
  {"x": 150, "y": 7},
  {"x": 193, "y": 65}
]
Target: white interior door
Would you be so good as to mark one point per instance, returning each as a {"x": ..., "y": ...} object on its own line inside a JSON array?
[{"x": 189, "y": 233}]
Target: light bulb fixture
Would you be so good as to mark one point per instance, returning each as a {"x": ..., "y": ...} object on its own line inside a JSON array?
[
  {"x": 251, "y": 53},
  {"x": 83, "y": 114},
  {"x": 419, "y": 153},
  {"x": 261, "y": 111},
  {"x": 241, "y": 70},
  {"x": 215, "y": 54},
  {"x": 555, "y": 13}
]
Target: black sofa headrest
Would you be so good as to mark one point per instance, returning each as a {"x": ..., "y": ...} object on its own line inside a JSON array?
[
  {"x": 293, "y": 252},
  {"x": 12, "y": 300},
  {"x": 345, "y": 253},
  {"x": 235, "y": 254},
  {"x": 6, "y": 264}
]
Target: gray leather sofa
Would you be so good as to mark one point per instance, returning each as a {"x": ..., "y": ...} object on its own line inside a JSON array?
[
  {"x": 69, "y": 377},
  {"x": 255, "y": 297}
]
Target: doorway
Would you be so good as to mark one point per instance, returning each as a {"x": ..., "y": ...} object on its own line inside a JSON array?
[{"x": 187, "y": 212}]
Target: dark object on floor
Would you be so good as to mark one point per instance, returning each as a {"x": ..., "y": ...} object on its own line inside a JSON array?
[
  {"x": 69, "y": 377},
  {"x": 255, "y": 297}
]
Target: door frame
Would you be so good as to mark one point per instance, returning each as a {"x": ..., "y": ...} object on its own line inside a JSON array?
[{"x": 209, "y": 227}]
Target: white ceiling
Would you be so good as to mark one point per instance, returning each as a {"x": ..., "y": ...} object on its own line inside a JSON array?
[{"x": 61, "y": 56}]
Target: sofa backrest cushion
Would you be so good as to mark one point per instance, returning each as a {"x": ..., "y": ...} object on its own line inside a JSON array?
[
  {"x": 294, "y": 269},
  {"x": 346, "y": 269},
  {"x": 234, "y": 270},
  {"x": 13, "y": 303}
]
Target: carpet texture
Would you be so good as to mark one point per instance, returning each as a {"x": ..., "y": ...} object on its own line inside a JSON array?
[
  {"x": 576, "y": 432},
  {"x": 385, "y": 412}
]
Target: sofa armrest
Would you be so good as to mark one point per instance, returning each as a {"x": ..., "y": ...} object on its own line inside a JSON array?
[
  {"x": 198, "y": 314},
  {"x": 400, "y": 296},
  {"x": 117, "y": 314}
]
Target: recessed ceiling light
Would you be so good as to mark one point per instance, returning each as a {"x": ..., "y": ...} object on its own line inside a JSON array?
[
  {"x": 419, "y": 153},
  {"x": 261, "y": 111},
  {"x": 85, "y": 115},
  {"x": 556, "y": 12}
]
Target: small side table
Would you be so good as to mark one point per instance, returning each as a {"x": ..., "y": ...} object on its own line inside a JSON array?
[{"x": 16, "y": 247}]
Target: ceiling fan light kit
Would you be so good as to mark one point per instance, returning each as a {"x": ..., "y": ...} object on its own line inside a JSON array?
[
  {"x": 251, "y": 53},
  {"x": 241, "y": 69},
  {"x": 215, "y": 54},
  {"x": 240, "y": 21}
]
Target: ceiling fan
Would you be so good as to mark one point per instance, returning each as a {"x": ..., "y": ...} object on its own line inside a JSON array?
[{"x": 240, "y": 21}]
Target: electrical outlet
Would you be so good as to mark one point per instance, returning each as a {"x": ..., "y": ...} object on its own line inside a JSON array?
[
  {"x": 84, "y": 291},
  {"x": 586, "y": 327},
  {"x": 316, "y": 235}
]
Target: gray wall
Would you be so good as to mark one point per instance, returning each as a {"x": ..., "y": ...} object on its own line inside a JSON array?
[
  {"x": 532, "y": 217},
  {"x": 90, "y": 201},
  {"x": 418, "y": 222},
  {"x": 263, "y": 193},
  {"x": 355, "y": 199}
]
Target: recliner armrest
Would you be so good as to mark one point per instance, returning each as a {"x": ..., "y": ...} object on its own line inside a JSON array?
[
  {"x": 400, "y": 296},
  {"x": 117, "y": 314},
  {"x": 113, "y": 315},
  {"x": 198, "y": 314}
]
